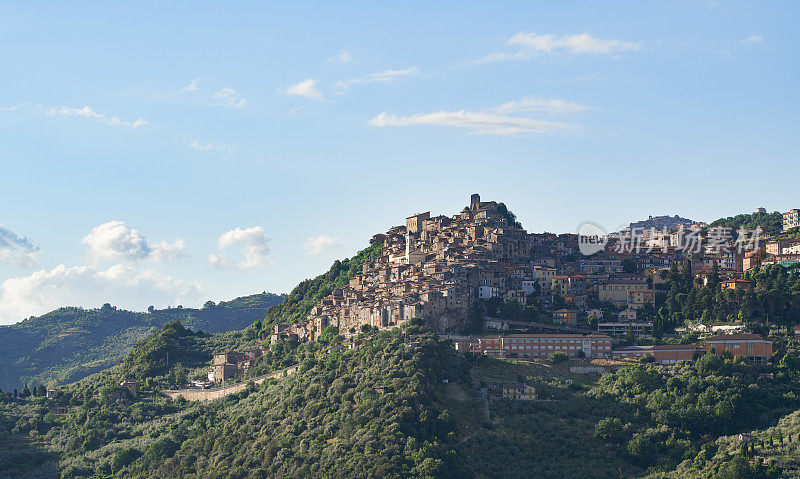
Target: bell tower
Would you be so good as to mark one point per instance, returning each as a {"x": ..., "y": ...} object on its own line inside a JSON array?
[{"x": 474, "y": 201}]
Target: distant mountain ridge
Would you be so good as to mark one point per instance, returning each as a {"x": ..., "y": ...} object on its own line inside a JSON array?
[
  {"x": 70, "y": 343},
  {"x": 769, "y": 222},
  {"x": 663, "y": 222}
]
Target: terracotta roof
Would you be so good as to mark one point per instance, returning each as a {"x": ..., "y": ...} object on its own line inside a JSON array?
[
  {"x": 736, "y": 337},
  {"x": 667, "y": 347}
]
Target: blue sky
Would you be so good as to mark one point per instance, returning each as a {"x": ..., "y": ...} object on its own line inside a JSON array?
[{"x": 173, "y": 153}]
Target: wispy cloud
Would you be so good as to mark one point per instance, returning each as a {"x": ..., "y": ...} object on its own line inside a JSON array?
[
  {"x": 342, "y": 57},
  {"x": 499, "y": 120},
  {"x": 546, "y": 105},
  {"x": 481, "y": 123},
  {"x": 89, "y": 113},
  {"x": 228, "y": 97},
  {"x": 531, "y": 44},
  {"x": 306, "y": 88},
  {"x": 321, "y": 244},
  {"x": 12, "y": 107},
  {"x": 191, "y": 86},
  {"x": 210, "y": 146},
  {"x": 752, "y": 40},
  {"x": 381, "y": 76}
]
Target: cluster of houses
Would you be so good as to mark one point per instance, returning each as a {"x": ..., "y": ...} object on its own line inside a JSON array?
[
  {"x": 437, "y": 267},
  {"x": 230, "y": 364}
]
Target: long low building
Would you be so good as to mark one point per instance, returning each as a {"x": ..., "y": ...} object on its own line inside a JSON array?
[
  {"x": 756, "y": 349},
  {"x": 752, "y": 346},
  {"x": 542, "y": 345},
  {"x": 664, "y": 354}
]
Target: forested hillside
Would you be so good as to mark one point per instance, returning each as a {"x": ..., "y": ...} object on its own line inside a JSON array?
[
  {"x": 68, "y": 344},
  {"x": 764, "y": 453},
  {"x": 308, "y": 293},
  {"x": 769, "y": 222},
  {"x": 402, "y": 403},
  {"x": 367, "y": 412}
]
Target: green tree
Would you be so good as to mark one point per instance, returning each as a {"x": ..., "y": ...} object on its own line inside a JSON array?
[
  {"x": 329, "y": 334},
  {"x": 609, "y": 429}
]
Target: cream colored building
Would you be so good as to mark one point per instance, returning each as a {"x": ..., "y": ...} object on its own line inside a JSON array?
[
  {"x": 615, "y": 290},
  {"x": 414, "y": 223},
  {"x": 791, "y": 219}
]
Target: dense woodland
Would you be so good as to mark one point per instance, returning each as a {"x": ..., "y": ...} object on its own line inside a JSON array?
[{"x": 769, "y": 222}]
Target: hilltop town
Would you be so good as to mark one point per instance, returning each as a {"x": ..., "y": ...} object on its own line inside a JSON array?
[
  {"x": 478, "y": 271},
  {"x": 435, "y": 267}
]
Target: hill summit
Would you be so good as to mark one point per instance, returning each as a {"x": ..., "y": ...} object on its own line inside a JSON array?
[{"x": 431, "y": 267}]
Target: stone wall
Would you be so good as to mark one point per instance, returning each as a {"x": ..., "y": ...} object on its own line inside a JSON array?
[{"x": 216, "y": 393}]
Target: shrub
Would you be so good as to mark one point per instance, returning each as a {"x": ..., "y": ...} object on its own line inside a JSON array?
[{"x": 556, "y": 358}]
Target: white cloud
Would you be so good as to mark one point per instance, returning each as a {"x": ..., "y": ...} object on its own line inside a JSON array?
[
  {"x": 381, "y": 76},
  {"x": 481, "y": 123},
  {"x": 20, "y": 259},
  {"x": 196, "y": 145},
  {"x": 88, "y": 113},
  {"x": 306, "y": 88},
  {"x": 228, "y": 97},
  {"x": 255, "y": 248},
  {"x": 114, "y": 240},
  {"x": 498, "y": 57},
  {"x": 342, "y": 57},
  {"x": 578, "y": 44},
  {"x": 12, "y": 107},
  {"x": 163, "y": 251},
  {"x": 532, "y": 44},
  {"x": 752, "y": 40},
  {"x": 547, "y": 105},
  {"x": 17, "y": 250},
  {"x": 191, "y": 86},
  {"x": 322, "y": 243},
  {"x": 87, "y": 286}
]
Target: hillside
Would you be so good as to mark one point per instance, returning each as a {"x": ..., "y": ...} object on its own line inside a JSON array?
[
  {"x": 769, "y": 222},
  {"x": 308, "y": 293},
  {"x": 68, "y": 344},
  {"x": 765, "y": 453},
  {"x": 401, "y": 403},
  {"x": 368, "y": 412}
]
